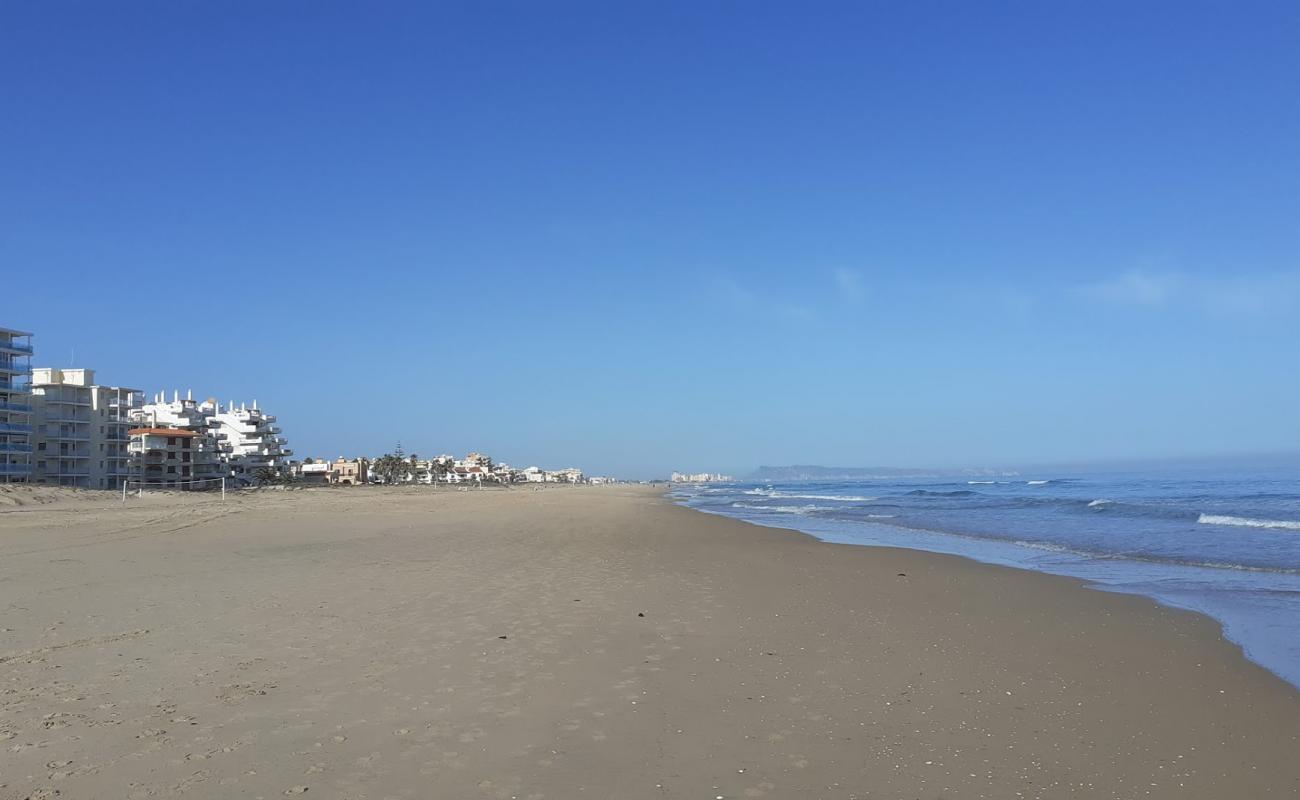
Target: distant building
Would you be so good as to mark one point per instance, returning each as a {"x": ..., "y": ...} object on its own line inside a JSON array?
[
  {"x": 570, "y": 475},
  {"x": 349, "y": 473},
  {"x": 15, "y": 406},
  {"x": 317, "y": 472},
  {"x": 701, "y": 477},
  {"x": 468, "y": 474},
  {"x": 476, "y": 460}
]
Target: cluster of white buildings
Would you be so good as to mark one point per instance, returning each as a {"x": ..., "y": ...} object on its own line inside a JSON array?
[
  {"x": 701, "y": 477},
  {"x": 475, "y": 468},
  {"x": 62, "y": 427}
]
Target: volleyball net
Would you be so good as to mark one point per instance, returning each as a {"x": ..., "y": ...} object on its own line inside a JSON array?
[{"x": 140, "y": 486}]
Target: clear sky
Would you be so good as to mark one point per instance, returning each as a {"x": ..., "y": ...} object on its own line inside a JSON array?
[{"x": 636, "y": 237}]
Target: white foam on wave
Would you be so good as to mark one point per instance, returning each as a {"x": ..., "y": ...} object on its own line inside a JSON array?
[
  {"x": 1101, "y": 503},
  {"x": 1037, "y": 483},
  {"x": 1248, "y": 522},
  {"x": 785, "y": 509},
  {"x": 1049, "y": 547},
  {"x": 793, "y": 496}
]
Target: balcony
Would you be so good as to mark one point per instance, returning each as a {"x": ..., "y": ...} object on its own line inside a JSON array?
[
  {"x": 56, "y": 400},
  {"x": 13, "y": 447},
  {"x": 15, "y": 469},
  {"x": 15, "y": 384},
  {"x": 15, "y": 427},
  {"x": 19, "y": 408},
  {"x": 13, "y": 347},
  {"x": 14, "y": 368}
]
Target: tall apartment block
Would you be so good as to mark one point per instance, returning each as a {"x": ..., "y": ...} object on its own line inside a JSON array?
[
  {"x": 80, "y": 429},
  {"x": 15, "y": 406}
]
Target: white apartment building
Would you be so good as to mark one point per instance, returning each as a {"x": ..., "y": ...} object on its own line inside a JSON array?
[
  {"x": 15, "y": 406},
  {"x": 248, "y": 440},
  {"x": 244, "y": 439},
  {"x": 80, "y": 429}
]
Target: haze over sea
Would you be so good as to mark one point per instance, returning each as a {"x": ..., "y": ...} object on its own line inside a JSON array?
[{"x": 1226, "y": 543}]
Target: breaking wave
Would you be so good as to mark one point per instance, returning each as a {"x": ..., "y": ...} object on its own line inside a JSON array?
[{"x": 1249, "y": 522}]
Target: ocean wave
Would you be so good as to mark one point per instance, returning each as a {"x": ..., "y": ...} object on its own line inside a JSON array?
[
  {"x": 1249, "y": 522},
  {"x": 1037, "y": 483},
  {"x": 928, "y": 493},
  {"x": 792, "y": 496},
  {"x": 1101, "y": 503},
  {"x": 804, "y": 509}
]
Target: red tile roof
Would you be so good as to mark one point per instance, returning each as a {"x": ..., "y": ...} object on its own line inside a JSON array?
[{"x": 160, "y": 432}]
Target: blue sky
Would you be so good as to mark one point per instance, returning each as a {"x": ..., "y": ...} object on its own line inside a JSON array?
[{"x": 636, "y": 237}]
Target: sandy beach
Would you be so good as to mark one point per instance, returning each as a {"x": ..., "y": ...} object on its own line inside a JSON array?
[{"x": 585, "y": 642}]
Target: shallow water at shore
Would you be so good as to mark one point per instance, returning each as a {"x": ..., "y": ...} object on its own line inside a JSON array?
[{"x": 1225, "y": 545}]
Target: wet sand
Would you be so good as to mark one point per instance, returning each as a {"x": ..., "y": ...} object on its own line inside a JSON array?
[{"x": 585, "y": 642}]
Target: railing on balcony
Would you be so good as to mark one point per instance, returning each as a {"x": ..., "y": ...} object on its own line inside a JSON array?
[
  {"x": 15, "y": 427},
  {"x": 22, "y": 408},
  {"x": 14, "y": 447}
]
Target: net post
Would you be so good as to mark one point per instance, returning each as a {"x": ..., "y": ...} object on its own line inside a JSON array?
[
  {"x": 223, "y": 489},
  {"x": 123, "y": 492}
]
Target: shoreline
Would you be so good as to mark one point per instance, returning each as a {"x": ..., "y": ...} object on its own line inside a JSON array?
[
  {"x": 1249, "y": 616},
  {"x": 597, "y": 642},
  {"x": 1143, "y": 601}
]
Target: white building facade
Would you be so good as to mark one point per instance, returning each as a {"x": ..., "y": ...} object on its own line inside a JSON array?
[
  {"x": 248, "y": 441},
  {"x": 80, "y": 429},
  {"x": 245, "y": 440}
]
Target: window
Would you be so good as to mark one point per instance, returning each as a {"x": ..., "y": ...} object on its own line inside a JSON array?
[
  {"x": 172, "y": 470},
  {"x": 185, "y": 457},
  {"x": 185, "y": 443}
]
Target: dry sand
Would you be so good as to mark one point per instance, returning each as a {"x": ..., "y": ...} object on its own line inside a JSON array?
[{"x": 370, "y": 643}]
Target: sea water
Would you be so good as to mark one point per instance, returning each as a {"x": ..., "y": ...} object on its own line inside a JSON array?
[{"x": 1223, "y": 544}]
